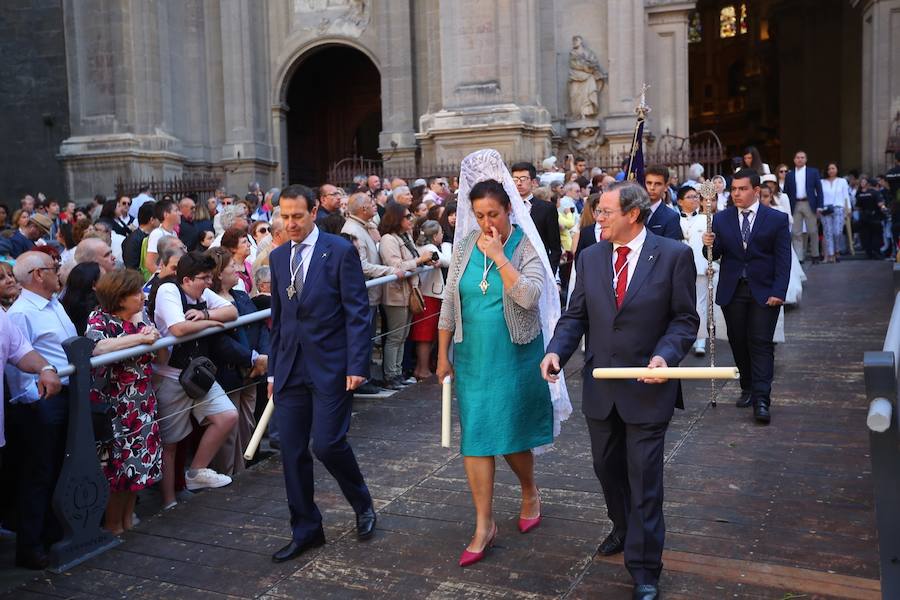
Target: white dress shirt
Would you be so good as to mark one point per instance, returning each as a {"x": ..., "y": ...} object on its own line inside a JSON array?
[
  {"x": 45, "y": 325},
  {"x": 306, "y": 251},
  {"x": 754, "y": 210},
  {"x": 800, "y": 180},
  {"x": 632, "y": 258}
]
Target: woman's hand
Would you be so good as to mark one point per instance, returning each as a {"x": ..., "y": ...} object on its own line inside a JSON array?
[
  {"x": 491, "y": 245},
  {"x": 444, "y": 368},
  {"x": 149, "y": 334}
]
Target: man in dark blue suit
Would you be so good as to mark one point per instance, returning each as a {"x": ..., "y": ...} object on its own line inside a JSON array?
[
  {"x": 635, "y": 298},
  {"x": 319, "y": 354},
  {"x": 754, "y": 245},
  {"x": 803, "y": 186},
  {"x": 662, "y": 220}
]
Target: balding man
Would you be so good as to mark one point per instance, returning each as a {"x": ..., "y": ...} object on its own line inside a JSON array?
[
  {"x": 38, "y": 422},
  {"x": 374, "y": 184},
  {"x": 91, "y": 249},
  {"x": 402, "y": 195},
  {"x": 397, "y": 182},
  {"x": 329, "y": 202}
]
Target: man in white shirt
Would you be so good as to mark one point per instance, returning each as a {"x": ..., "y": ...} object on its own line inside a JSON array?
[
  {"x": 95, "y": 250},
  {"x": 180, "y": 310},
  {"x": 137, "y": 201},
  {"x": 166, "y": 211},
  {"x": 38, "y": 419},
  {"x": 693, "y": 226}
]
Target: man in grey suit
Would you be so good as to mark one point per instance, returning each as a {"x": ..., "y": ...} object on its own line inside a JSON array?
[{"x": 635, "y": 299}]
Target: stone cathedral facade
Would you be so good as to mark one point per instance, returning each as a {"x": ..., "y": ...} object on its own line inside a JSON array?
[{"x": 278, "y": 91}]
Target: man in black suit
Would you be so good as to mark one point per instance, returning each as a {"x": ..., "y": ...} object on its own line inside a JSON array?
[
  {"x": 754, "y": 243},
  {"x": 542, "y": 213},
  {"x": 662, "y": 220},
  {"x": 635, "y": 300}
]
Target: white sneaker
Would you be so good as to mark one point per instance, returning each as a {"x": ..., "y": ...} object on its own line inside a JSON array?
[
  {"x": 409, "y": 381},
  {"x": 206, "y": 478}
]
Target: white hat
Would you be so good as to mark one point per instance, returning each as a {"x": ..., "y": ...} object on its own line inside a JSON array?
[
  {"x": 549, "y": 163},
  {"x": 566, "y": 202},
  {"x": 419, "y": 183},
  {"x": 768, "y": 177}
]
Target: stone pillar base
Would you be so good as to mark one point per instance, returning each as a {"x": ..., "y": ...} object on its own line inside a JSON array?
[
  {"x": 239, "y": 173},
  {"x": 517, "y": 132}
]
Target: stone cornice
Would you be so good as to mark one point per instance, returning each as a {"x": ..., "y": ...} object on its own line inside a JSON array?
[{"x": 657, "y": 6}]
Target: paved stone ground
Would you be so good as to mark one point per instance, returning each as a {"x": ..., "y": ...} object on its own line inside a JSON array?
[{"x": 752, "y": 512}]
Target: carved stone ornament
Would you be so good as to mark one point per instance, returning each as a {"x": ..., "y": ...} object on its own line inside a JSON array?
[
  {"x": 586, "y": 81},
  {"x": 332, "y": 17}
]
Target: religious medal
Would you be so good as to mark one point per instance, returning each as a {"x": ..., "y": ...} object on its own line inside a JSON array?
[
  {"x": 484, "y": 285},
  {"x": 291, "y": 291}
]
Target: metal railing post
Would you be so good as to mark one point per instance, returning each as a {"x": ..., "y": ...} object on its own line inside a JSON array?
[
  {"x": 881, "y": 382},
  {"x": 82, "y": 490}
]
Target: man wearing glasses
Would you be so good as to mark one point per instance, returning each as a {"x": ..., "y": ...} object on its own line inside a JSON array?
[
  {"x": 124, "y": 223},
  {"x": 329, "y": 202},
  {"x": 543, "y": 213},
  {"x": 38, "y": 417}
]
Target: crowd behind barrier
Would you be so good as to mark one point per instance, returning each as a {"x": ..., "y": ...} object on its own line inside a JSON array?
[{"x": 64, "y": 262}]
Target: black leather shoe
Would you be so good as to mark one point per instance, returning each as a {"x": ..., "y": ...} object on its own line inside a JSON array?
[
  {"x": 365, "y": 524},
  {"x": 295, "y": 549},
  {"x": 36, "y": 561},
  {"x": 761, "y": 413},
  {"x": 613, "y": 544},
  {"x": 645, "y": 591},
  {"x": 744, "y": 401}
]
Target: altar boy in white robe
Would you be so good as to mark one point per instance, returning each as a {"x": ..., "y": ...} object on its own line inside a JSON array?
[{"x": 693, "y": 226}]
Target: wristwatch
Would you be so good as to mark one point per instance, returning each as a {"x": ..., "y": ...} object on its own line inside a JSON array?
[{"x": 49, "y": 368}]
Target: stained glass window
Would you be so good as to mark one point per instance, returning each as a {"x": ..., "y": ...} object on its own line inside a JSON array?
[
  {"x": 695, "y": 28},
  {"x": 743, "y": 24},
  {"x": 727, "y": 22}
]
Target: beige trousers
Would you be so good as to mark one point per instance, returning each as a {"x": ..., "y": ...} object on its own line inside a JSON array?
[{"x": 804, "y": 214}]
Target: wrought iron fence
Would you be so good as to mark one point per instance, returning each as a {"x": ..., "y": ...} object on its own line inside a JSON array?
[{"x": 198, "y": 187}]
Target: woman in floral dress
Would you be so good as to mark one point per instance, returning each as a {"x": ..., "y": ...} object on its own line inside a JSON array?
[{"x": 135, "y": 452}]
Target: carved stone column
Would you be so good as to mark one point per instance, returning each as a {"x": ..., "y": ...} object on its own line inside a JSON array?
[
  {"x": 880, "y": 82},
  {"x": 667, "y": 73}
]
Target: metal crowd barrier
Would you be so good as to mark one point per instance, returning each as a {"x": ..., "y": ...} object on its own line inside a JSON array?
[
  {"x": 82, "y": 490},
  {"x": 883, "y": 420}
]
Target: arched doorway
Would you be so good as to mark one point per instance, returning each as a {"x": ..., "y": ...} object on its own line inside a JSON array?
[{"x": 334, "y": 100}]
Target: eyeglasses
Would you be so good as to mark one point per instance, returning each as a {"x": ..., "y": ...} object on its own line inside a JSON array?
[
  {"x": 53, "y": 268},
  {"x": 408, "y": 216},
  {"x": 605, "y": 213},
  {"x": 203, "y": 277},
  {"x": 782, "y": 170},
  {"x": 522, "y": 178},
  {"x": 331, "y": 194},
  {"x": 123, "y": 203},
  {"x": 263, "y": 229}
]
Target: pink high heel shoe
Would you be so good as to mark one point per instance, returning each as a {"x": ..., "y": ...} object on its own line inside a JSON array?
[
  {"x": 526, "y": 525},
  {"x": 470, "y": 558}
]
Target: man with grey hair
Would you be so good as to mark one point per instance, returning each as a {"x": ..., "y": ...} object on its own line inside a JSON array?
[
  {"x": 402, "y": 195},
  {"x": 359, "y": 224},
  {"x": 38, "y": 423},
  {"x": 643, "y": 304},
  {"x": 92, "y": 249}
]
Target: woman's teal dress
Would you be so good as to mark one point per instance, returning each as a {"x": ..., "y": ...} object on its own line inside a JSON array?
[{"x": 504, "y": 403}]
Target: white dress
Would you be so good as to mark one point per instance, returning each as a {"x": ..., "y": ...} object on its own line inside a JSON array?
[{"x": 693, "y": 228}]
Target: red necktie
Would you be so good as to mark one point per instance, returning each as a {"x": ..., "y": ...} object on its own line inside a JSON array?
[{"x": 621, "y": 273}]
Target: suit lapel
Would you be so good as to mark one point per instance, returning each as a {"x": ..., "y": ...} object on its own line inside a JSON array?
[
  {"x": 606, "y": 273},
  {"x": 760, "y": 217},
  {"x": 320, "y": 254},
  {"x": 645, "y": 264}
]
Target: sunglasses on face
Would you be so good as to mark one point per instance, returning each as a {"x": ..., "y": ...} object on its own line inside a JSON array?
[
  {"x": 263, "y": 229},
  {"x": 408, "y": 216}
]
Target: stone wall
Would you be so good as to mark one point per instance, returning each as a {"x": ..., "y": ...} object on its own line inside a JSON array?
[{"x": 34, "y": 102}]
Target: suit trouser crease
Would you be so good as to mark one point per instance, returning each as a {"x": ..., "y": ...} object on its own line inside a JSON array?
[
  {"x": 303, "y": 414},
  {"x": 751, "y": 327},
  {"x": 804, "y": 214},
  {"x": 628, "y": 460}
]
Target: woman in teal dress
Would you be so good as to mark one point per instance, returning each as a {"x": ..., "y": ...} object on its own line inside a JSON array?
[{"x": 491, "y": 313}]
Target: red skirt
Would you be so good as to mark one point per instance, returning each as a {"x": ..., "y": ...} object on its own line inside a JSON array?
[{"x": 425, "y": 325}]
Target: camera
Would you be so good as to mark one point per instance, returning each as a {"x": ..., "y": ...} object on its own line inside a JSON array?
[{"x": 435, "y": 257}]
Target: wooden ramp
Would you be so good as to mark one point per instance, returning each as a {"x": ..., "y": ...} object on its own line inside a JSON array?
[{"x": 784, "y": 511}]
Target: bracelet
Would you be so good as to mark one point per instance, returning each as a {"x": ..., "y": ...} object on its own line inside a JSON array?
[
  {"x": 206, "y": 314},
  {"x": 501, "y": 266},
  {"x": 48, "y": 368}
]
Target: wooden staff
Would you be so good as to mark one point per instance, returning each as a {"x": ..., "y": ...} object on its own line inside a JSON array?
[
  {"x": 848, "y": 227},
  {"x": 667, "y": 373},
  {"x": 445, "y": 412},
  {"x": 708, "y": 193},
  {"x": 253, "y": 446}
]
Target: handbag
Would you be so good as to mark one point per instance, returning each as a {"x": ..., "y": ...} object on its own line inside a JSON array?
[
  {"x": 197, "y": 378},
  {"x": 416, "y": 300},
  {"x": 828, "y": 210}
]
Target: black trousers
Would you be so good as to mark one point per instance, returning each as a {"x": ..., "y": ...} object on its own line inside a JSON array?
[
  {"x": 303, "y": 413},
  {"x": 39, "y": 437},
  {"x": 628, "y": 461},
  {"x": 750, "y": 331}
]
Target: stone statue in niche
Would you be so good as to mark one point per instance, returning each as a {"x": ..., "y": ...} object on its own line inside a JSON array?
[{"x": 586, "y": 81}]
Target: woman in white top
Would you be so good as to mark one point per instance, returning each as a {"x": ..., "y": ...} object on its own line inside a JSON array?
[
  {"x": 429, "y": 242},
  {"x": 752, "y": 160},
  {"x": 835, "y": 204},
  {"x": 721, "y": 192},
  {"x": 780, "y": 201}
]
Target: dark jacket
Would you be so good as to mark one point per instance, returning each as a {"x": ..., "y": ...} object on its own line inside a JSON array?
[
  {"x": 665, "y": 222},
  {"x": 813, "y": 188},
  {"x": 547, "y": 223},
  {"x": 131, "y": 249},
  {"x": 658, "y": 316}
]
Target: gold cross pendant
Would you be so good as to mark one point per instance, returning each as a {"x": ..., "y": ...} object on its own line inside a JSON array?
[{"x": 484, "y": 285}]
